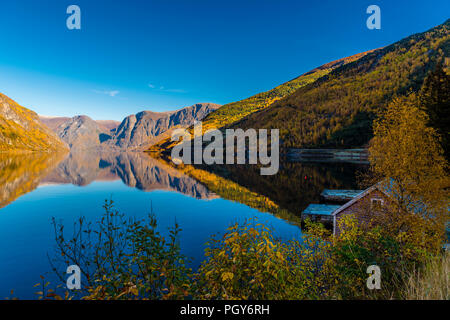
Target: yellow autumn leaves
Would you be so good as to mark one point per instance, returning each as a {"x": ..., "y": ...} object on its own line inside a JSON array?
[{"x": 248, "y": 262}]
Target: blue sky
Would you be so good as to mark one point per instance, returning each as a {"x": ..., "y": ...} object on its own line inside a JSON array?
[{"x": 162, "y": 55}]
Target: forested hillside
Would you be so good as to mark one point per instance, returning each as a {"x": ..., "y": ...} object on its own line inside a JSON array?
[
  {"x": 338, "y": 109},
  {"x": 234, "y": 112}
]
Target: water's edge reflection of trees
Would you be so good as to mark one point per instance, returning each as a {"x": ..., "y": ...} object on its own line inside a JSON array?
[{"x": 296, "y": 185}]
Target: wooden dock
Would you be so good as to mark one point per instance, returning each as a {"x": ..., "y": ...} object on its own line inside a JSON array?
[
  {"x": 323, "y": 212},
  {"x": 339, "y": 195},
  {"x": 320, "y": 212},
  {"x": 358, "y": 156}
]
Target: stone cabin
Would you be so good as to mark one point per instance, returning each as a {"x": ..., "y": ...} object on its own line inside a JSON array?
[{"x": 374, "y": 197}]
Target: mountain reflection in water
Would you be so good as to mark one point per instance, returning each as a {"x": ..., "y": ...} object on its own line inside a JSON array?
[{"x": 292, "y": 189}]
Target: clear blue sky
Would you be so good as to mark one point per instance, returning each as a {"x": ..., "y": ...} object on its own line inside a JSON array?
[{"x": 162, "y": 55}]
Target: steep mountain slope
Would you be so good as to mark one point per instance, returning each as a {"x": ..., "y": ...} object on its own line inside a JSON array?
[
  {"x": 337, "y": 110},
  {"x": 138, "y": 131},
  {"x": 21, "y": 129},
  {"x": 81, "y": 132},
  {"x": 234, "y": 112}
]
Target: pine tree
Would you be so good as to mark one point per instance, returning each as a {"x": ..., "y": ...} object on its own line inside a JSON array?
[{"x": 435, "y": 101}]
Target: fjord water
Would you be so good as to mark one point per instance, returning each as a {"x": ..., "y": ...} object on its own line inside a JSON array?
[{"x": 35, "y": 188}]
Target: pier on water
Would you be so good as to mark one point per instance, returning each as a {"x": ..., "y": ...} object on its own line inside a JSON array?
[
  {"x": 333, "y": 200},
  {"x": 320, "y": 212},
  {"x": 339, "y": 195}
]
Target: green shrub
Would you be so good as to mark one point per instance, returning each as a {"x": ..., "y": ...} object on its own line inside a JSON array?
[{"x": 124, "y": 259}]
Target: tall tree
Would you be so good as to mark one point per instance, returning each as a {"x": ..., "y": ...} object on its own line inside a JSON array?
[
  {"x": 435, "y": 101},
  {"x": 405, "y": 153}
]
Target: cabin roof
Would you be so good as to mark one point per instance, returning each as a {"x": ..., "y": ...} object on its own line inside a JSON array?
[
  {"x": 321, "y": 209},
  {"x": 360, "y": 196}
]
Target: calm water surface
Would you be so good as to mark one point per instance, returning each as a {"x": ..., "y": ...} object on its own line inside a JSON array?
[{"x": 35, "y": 188}]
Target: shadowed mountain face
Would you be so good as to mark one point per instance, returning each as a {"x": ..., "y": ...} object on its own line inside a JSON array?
[
  {"x": 21, "y": 129},
  {"x": 136, "y": 170},
  {"x": 138, "y": 131}
]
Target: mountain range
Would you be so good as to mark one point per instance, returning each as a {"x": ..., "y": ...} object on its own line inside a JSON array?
[
  {"x": 21, "y": 129},
  {"x": 140, "y": 130},
  {"x": 134, "y": 132}
]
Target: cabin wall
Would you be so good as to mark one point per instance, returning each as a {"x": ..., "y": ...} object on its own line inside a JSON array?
[{"x": 361, "y": 209}]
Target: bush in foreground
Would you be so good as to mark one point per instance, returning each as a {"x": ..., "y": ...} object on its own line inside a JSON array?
[{"x": 127, "y": 259}]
